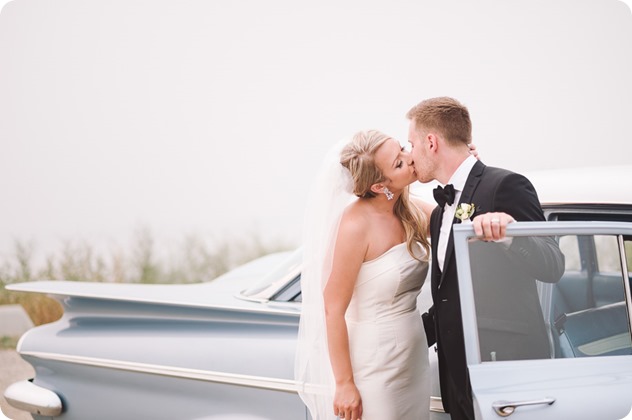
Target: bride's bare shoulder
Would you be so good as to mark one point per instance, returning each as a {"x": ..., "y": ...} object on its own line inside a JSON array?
[{"x": 355, "y": 218}]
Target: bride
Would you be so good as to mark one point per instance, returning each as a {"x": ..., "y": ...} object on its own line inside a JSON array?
[{"x": 362, "y": 351}]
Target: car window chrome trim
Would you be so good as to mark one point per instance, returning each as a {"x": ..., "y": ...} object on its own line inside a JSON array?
[
  {"x": 626, "y": 278},
  {"x": 271, "y": 290},
  {"x": 275, "y": 306},
  {"x": 275, "y": 384},
  {"x": 268, "y": 291}
]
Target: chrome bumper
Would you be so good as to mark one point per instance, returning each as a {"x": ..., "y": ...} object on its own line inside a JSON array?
[{"x": 27, "y": 396}]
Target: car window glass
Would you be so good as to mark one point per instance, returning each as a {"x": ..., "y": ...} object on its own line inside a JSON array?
[
  {"x": 291, "y": 292},
  {"x": 607, "y": 250},
  {"x": 278, "y": 279},
  {"x": 571, "y": 252},
  {"x": 582, "y": 314}
]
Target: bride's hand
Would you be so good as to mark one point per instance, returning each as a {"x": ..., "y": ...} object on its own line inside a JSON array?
[
  {"x": 347, "y": 402},
  {"x": 473, "y": 151}
]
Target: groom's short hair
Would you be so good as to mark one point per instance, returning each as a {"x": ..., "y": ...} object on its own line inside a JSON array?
[{"x": 445, "y": 115}]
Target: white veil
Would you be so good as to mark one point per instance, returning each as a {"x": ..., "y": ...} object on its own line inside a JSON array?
[{"x": 331, "y": 192}]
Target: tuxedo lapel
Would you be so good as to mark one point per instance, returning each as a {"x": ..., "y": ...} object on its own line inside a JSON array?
[{"x": 472, "y": 182}]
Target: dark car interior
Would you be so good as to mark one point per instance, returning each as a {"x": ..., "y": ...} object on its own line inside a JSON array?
[{"x": 589, "y": 314}]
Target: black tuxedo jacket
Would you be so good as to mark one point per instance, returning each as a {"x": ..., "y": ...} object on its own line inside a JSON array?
[{"x": 512, "y": 328}]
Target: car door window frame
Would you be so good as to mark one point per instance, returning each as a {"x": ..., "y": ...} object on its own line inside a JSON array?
[{"x": 463, "y": 233}]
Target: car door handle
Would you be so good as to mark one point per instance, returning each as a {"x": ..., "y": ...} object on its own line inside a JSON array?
[{"x": 506, "y": 408}]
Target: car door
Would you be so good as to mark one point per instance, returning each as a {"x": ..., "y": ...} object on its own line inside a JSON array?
[{"x": 587, "y": 372}]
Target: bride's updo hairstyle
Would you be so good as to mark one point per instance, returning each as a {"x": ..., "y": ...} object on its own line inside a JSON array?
[{"x": 358, "y": 156}]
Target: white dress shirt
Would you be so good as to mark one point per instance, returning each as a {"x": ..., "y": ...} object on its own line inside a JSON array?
[{"x": 458, "y": 180}]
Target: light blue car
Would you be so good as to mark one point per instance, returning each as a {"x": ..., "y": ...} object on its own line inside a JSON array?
[{"x": 225, "y": 349}]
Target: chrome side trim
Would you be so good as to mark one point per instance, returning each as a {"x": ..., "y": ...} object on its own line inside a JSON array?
[
  {"x": 275, "y": 384},
  {"x": 27, "y": 396},
  {"x": 261, "y": 382}
]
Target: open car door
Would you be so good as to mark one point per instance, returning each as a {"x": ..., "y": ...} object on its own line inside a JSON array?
[{"x": 585, "y": 314}]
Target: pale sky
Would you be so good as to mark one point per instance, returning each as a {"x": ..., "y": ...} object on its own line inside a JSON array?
[{"x": 210, "y": 117}]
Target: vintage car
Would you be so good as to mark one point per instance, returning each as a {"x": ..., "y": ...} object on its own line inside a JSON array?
[{"x": 225, "y": 349}]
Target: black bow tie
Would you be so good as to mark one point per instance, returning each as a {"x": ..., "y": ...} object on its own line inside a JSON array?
[{"x": 444, "y": 195}]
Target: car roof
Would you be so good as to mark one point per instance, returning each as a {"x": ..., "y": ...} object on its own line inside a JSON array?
[{"x": 578, "y": 185}]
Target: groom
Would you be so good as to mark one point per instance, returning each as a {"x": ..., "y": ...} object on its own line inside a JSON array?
[{"x": 440, "y": 131}]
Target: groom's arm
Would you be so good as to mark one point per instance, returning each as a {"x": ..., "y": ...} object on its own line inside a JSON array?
[
  {"x": 540, "y": 257},
  {"x": 516, "y": 196}
]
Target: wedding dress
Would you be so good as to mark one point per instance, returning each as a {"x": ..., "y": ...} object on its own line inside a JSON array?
[
  {"x": 389, "y": 351},
  {"x": 387, "y": 341}
]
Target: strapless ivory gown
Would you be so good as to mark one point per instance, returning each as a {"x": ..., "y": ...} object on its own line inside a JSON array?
[{"x": 389, "y": 350}]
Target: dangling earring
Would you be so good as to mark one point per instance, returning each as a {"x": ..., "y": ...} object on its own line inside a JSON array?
[{"x": 388, "y": 194}]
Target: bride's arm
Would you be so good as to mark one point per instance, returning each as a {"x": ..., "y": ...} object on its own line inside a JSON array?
[
  {"x": 424, "y": 206},
  {"x": 349, "y": 252}
]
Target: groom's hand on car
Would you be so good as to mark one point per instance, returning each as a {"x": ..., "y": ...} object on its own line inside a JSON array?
[{"x": 491, "y": 226}]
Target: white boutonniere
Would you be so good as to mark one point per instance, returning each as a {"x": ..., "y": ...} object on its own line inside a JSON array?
[{"x": 464, "y": 211}]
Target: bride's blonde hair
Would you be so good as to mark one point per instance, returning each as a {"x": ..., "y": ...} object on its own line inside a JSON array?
[{"x": 358, "y": 157}]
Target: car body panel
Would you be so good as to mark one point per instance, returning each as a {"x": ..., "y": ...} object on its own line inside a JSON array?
[
  {"x": 224, "y": 350},
  {"x": 149, "y": 351}
]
